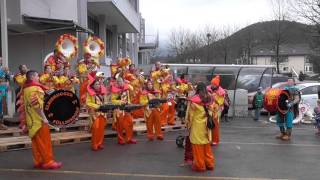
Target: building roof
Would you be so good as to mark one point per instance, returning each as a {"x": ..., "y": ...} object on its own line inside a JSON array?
[{"x": 285, "y": 50}]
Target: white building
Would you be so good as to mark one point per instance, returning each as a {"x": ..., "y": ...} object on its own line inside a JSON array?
[{"x": 292, "y": 57}]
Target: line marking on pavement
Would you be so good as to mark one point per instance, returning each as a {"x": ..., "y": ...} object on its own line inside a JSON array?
[
  {"x": 256, "y": 127},
  {"x": 250, "y": 143},
  {"x": 126, "y": 174}
]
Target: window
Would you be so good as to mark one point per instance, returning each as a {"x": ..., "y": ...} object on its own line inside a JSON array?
[
  {"x": 108, "y": 42},
  {"x": 310, "y": 90},
  {"x": 93, "y": 25},
  {"x": 308, "y": 68}
]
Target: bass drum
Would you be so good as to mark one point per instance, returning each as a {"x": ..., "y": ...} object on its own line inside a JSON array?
[
  {"x": 275, "y": 100},
  {"x": 61, "y": 107}
]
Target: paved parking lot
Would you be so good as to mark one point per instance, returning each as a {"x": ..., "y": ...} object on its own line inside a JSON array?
[{"x": 248, "y": 150}]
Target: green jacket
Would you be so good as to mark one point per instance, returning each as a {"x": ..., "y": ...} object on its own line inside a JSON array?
[{"x": 258, "y": 100}]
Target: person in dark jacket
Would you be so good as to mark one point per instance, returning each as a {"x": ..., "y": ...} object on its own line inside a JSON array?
[{"x": 257, "y": 103}]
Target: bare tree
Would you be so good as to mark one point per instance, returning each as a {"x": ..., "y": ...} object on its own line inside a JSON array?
[
  {"x": 177, "y": 40},
  {"x": 277, "y": 35},
  {"x": 247, "y": 41},
  {"x": 208, "y": 36},
  {"x": 224, "y": 45}
]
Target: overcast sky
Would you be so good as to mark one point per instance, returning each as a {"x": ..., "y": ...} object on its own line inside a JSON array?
[{"x": 163, "y": 15}]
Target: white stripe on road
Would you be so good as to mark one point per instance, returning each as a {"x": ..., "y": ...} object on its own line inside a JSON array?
[
  {"x": 252, "y": 143},
  {"x": 124, "y": 174}
]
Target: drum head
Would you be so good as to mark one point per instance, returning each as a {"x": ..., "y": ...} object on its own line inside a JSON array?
[
  {"x": 61, "y": 107},
  {"x": 282, "y": 102}
]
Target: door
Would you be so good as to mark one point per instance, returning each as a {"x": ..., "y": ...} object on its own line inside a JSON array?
[{"x": 310, "y": 95}]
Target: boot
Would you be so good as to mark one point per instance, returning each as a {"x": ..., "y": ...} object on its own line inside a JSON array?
[
  {"x": 287, "y": 137},
  {"x": 282, "y": 133},
  {"x": 279, "y": 136}
]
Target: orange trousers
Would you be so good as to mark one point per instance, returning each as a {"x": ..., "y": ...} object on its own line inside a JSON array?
[
  {"x": 138, "y": 113},
  {"x": 97, "y": 131},
  {"x": 83, "y": 92},
  {"x": 171, "y": 113},
  {"x": 203, "y": 158},
  {"x": 41, "y": 147},
  {"x": 164, "y": 114},
  {"x": 124, "y": 126},
  {"x": 216, "y": 132},
  {"x": 153, "y": 124}
]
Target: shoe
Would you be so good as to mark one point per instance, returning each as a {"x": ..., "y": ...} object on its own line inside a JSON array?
[
  {"x": 279, "y": 136},
  {"x": 160, "y": 138},
  {"x": 101, "y": 147},
  {"x": 54, "y": 165},
  {"x": 197, "y": 170},
  {"x": 132, "y": 141},
  {"x": 38, "y": 166},
  {"x": 121, "y": 143},
  {"x": 214, "y": 144},
  {"x": 188, "y": 162},
  {"x": 95, "y": 149},
  {"x": 285, "y": 138},
  {"x": 210, "y": 168}
]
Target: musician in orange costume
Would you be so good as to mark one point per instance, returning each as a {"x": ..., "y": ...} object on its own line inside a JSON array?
[
  {"x": 47, "y": 78},
  {"x": 151, "y": 114},
  {"x": 200, "y": 135},
  {"x": 124, "y": 120},
  {"x": 56, "y": 61},
  {"x": 37, "y": 123},
  {"x": 217, "y": 93},
  {"x": 66, "y": 81},
  {"x": 159, "y": 77},
  {"x": 136, "y": 81},
  {"x": 97, "y": 96},
  {"x": 85, "y": 67},
  {"x": 20, "y": 79},
  {"x": 166, "y": 86}
]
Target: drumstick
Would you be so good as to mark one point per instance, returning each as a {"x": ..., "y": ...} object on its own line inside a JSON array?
[{"x": 54, "y": 127}]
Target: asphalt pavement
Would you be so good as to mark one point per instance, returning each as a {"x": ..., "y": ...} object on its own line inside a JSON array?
[{"x": 248, "y": 150}]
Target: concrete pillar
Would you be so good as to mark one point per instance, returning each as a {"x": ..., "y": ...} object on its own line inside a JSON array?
[
  {"x": 135, "y": 49},
  {"x": 82, "y": 21},
  {"x": 4, "y": 50},
  {"x": 102, "y": 33},
  {"x": 4, "y": 32},
  {"x": 124, "y": 45},
  {"x": 115, "y": 44}
]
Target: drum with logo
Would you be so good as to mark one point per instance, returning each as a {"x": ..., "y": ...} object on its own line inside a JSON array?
[
  {"x": 275, "y": 100},
  {"x": 61, "y": 107}
]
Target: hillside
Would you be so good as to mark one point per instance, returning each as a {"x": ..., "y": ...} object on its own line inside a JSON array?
[{"x": 242, "y": 41}]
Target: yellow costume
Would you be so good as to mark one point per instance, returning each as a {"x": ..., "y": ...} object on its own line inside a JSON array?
[
  {"x": 47, "y": 80},
  {"x": 20, "y": 79}
]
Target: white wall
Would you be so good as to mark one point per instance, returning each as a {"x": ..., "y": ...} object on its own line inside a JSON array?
[
  {"x": 296, "y": 62},
  {"x": 55, "y": 9},
  {"x": 31, "y": 49},
  {"x": 264, "y": 60}
]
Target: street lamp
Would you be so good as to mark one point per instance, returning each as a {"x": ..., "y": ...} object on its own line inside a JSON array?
[{"x": 208, "y": 43}]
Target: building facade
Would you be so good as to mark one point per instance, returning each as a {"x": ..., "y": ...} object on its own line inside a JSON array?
[
  {"x": 35, "y": 25},
  {"x": 30, "y": 29},
  {"x": 292, "y": 58}
]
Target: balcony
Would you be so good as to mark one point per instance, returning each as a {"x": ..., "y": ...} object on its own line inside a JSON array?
[{"x": 118, "y": 12}]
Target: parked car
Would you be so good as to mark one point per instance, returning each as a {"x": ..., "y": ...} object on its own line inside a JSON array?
[{"x": 309, "y": 92}]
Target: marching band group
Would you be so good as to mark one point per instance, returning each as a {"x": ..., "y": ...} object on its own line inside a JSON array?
[
  {"x": 127, "y": 86},
  {"x": 158, "y": 98}
]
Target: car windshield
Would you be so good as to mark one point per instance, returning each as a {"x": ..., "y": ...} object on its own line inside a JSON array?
[{"x": 299, "y": 87}]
